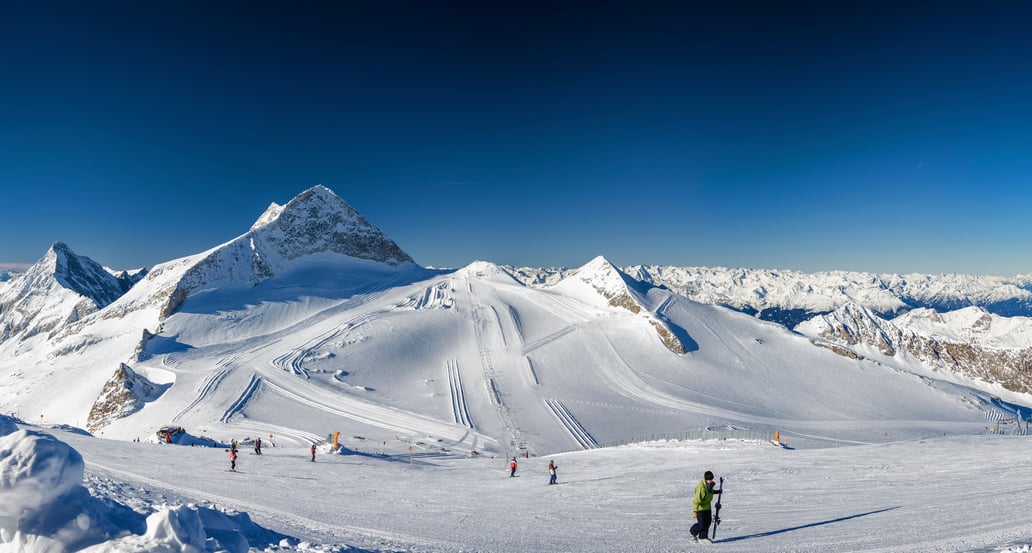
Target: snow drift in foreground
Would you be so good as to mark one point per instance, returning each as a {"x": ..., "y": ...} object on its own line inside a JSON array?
[{"x": 44, "y": 508}]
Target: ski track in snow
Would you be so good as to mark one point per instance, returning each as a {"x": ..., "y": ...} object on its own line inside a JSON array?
[
  {"x": 252, "y": 386},
  {"x": 534, "y": 380},
  {"x": 458, "y": 397},
  {"x": 372, "y": 414},
  {"x": 527, "y": 348},
  {"x": 275, "y": 430},
  {"x": 517, "y": 324},
  {"x": 209, "y": 384},
  {"x": 570, "y": 423},
  {"x": 516, "y": 438},
  {"x": 291, "y": 361}
]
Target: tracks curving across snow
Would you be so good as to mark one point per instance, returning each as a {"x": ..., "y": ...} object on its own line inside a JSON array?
[
  {"x": 206, "y": 388},
  {"x": 241, "y": 401}
]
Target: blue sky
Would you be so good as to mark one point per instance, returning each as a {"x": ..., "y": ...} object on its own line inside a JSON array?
[{"x": 882, "y": 137}]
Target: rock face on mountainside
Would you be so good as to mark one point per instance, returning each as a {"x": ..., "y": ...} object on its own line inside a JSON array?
[
  {"x": 60, "y": 288},
  {"x": 124, "y": 393},
  {"x": 1003, "y": 356},
  {"x": 315, "y": 221}
]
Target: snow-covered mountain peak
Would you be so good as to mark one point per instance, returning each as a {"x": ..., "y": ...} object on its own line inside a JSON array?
[
  {"x": 601, "y": 283},
  {"x": 270, "y": 215},
  {"x": 851, "y": 324},
  {"x": 486, "y": 269},
  {"x": 973, "y": 325},
  {"x": 317, "y": 220},
  {"x": 77, "y": 273},
  {"x": 605, "y": 277},
  {"x": 60, "y": 288}
]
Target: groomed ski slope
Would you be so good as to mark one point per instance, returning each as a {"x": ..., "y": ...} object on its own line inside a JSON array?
[
  {"x": 472, "y": 360},
  {"x": 955, "y": 493}
]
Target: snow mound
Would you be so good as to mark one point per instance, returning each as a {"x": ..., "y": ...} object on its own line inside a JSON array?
[
  {"x": 44, "y": 508},
  {"x": 43, "y": 505},
  {"x": 169, "y": 530}
]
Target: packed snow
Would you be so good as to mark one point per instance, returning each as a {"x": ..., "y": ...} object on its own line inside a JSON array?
[{"x": 951, "y": 493}]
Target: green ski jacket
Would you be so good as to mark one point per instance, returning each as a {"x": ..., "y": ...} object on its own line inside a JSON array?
[{"x": 702, "y": 498}]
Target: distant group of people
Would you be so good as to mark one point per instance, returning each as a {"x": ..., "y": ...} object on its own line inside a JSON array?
[
  {"x": 257, "y": 451},
  {"x": 552, "y": 475}
]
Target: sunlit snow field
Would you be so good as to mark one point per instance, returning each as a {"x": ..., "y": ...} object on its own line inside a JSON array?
[{"x": 970, "y": 494}]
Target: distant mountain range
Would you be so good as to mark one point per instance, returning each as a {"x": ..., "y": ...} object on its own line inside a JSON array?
[
  {"x": 791, "y": 297},
  {"x": 315, "y": 308}
]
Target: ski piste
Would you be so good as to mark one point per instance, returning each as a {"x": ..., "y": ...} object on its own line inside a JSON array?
[{"x": 716, "y": 514}]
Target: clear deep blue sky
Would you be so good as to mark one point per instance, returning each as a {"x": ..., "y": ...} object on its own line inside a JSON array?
[{"x": 887, "y": 136}]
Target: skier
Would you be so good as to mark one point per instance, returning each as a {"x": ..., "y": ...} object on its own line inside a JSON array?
[
  {"x": 232, "y": 460},
  {"x": 701, "y": 508},
  {"x": 258, "y": 446},
  {"x": 551, "y": 472},
  {"x": 313, "y": 453},
  {"x": 512, "y": 467}
]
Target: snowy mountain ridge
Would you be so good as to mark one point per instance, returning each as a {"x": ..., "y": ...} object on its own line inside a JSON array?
[
  {"x": 316, "y": 221},
  {"x": 59, "y": 289},
  {"x": 314, "y": 302},
  {"x": 971, "y": 343},
  {"x": 789, "y": 297}
]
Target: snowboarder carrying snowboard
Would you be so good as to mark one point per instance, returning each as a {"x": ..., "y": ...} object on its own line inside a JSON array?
[
  {"x": 512, "y": 467},
  {"x": 701, "y": 508},
  {"x": 551, "y": 472}
]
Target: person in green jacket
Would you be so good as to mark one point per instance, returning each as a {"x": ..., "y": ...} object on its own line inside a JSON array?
[{"x": 701, "y": 508}]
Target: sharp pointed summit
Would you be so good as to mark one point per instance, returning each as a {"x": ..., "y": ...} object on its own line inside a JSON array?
[
  {"x": 61, "y": 287},
  {"x": 618, "y": 289},
  {"x": 317, "y": 220}
]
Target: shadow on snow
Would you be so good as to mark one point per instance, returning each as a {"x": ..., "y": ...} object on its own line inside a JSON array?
[{"x": 811, "y": 525}]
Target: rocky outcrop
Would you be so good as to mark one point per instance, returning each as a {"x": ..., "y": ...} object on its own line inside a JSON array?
[
  {"x": 124, "y": 393},
  {"x": 314, "y": 222},
  {"x": 852, "y": 328}
]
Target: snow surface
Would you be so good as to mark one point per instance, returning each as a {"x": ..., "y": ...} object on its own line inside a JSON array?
[{"x": 952, "y": 493}]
